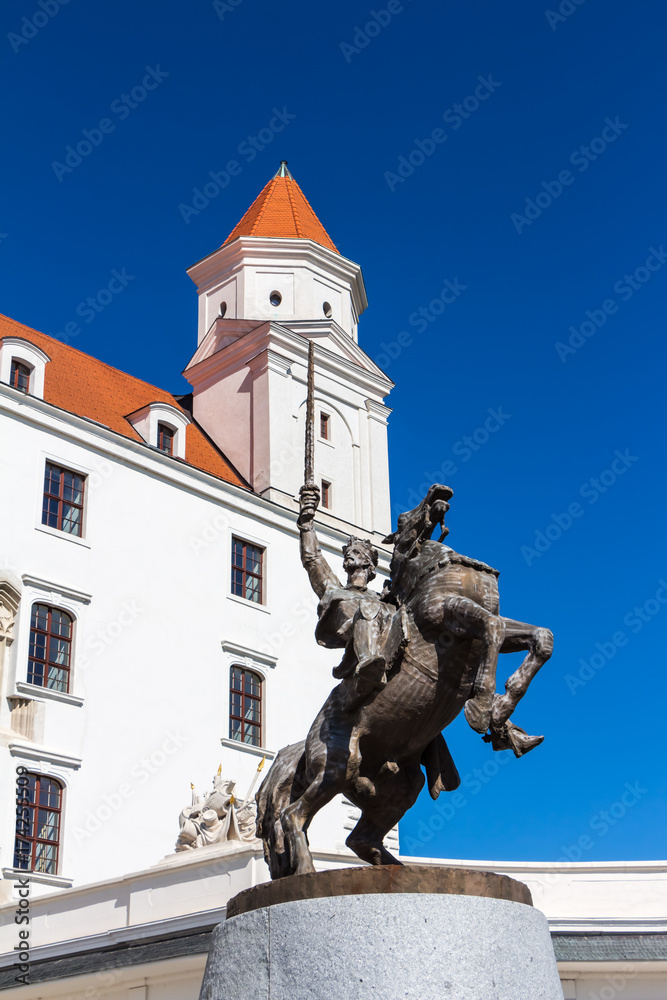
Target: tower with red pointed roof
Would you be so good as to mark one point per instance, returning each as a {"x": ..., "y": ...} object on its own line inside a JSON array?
[
  {"x": 277, "y": 282},
  {"x": 279, "y": 263}
]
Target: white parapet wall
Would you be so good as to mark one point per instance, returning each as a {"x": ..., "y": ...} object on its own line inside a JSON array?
[{"x": 150, "y": 929}]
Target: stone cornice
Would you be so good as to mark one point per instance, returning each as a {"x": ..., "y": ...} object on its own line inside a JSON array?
[
  {"x": 378, "y": 411},
  {"x": 356, "y": 370},
  {"x": 30, "y": 751},
  {"x": 285, "y": 252},
  {"x": 74, "y": 595},
  {"x": 247, "y": 653},
  {"x": 270, "y": 361}
]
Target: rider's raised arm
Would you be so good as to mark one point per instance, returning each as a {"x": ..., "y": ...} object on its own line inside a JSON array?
[{"x": 319, "y": 572}]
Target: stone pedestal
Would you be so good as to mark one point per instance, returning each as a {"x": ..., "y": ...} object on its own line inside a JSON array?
[{"x": 417, "y": 932}]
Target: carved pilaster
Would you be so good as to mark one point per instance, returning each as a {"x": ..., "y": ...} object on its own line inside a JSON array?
[
  {"x": 10, "y": 598},
  {"x": 24, "y": 716}
]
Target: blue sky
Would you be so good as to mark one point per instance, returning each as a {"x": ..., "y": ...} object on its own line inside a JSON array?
[{"x": 540, "y": 199}]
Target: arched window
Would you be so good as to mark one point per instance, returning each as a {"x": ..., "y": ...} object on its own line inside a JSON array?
[
  {"x": 39, "y": 807},
  {"x": 20, "y": 376},
  {"x": 245, "y": 706},
  {"x": 50, "y": 653}
]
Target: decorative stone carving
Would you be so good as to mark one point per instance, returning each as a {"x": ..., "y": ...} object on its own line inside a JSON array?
[
  {"x": 216, "y": 818},
  {"x": 9, "y": 605}
]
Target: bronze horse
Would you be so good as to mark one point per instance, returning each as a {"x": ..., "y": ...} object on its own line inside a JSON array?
[{"x": 446, "y": 660}]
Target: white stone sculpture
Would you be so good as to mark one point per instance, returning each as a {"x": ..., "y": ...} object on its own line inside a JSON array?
[
  {"x": 9, "y": 605},
  {"x": 216, "y": 818}
]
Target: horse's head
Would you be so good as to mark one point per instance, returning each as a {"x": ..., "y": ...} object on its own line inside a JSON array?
[{"x": 416, "y": 526}]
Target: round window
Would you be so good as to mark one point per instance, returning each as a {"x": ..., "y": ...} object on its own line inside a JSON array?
[
  {"x": 223, "y": 309},
  {"x": 327, "y": 310},
  {"x": 275, "y": 298}
]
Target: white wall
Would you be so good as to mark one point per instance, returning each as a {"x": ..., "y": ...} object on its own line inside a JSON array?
[{"x": 148, "y": 660}]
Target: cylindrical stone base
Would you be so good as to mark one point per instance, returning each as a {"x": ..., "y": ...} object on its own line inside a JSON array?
[{"x": 384, "y": 946}]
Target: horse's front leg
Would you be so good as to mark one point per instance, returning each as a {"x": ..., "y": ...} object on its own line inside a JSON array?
[
  {"x": 519, "y": 636},
  {"x": 296, "y": 818},
  {"x": 326, "y": 768},
  {"x": 461, "y": 616}
]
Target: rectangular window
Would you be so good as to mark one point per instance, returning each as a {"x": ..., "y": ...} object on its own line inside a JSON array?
[
  {"x": 165, "y": 439},
  {"x": 20, "y": 376},
  {"x": 62, "y": 507},
  {"x": 37, "y": 824},
  {"x": 326, "y": 494},
  {"x": 247, "y": 570},
  {"x": 324, "y": 426},
  {"x": 245, "y": 706}
]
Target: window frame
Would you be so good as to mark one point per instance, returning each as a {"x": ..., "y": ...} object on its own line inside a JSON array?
[
  {"x": 24, "y": 351},
  {"x": 60, "y": 500},
  {"x": 15, "y": 365},
  {"x": 32, "y": 837},
  {"x": 325, "y": 425},
  {"x": 326, "y": 487},
  {"x": 171, "y": 433},
  {"x": 69, "y": 639},
  {"x": 261, "y": 576},
  {"x": 251, "y": 699}
]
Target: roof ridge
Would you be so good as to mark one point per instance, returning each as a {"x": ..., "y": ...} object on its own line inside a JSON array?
[
  {"x": 297, "y": 220},
  {"x": 271, "y": 187},
  {"x": 315, "y": 215}
]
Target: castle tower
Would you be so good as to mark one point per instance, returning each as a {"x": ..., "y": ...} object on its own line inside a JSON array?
[{"x": 277, "y": 282}]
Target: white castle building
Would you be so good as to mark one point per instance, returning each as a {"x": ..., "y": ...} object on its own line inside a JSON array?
[{"x": 156, "y": 625}]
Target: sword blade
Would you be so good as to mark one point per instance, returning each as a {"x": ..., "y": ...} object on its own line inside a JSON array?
[{"x": 309, "y": 465}]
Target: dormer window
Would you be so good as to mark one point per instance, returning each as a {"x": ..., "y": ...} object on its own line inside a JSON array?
[
  {"x": 22, "y": 365},
  {"x": 19, "y": 377},
  {"x": 165, "y": 438},
  {"x": 163, "y": 426}
]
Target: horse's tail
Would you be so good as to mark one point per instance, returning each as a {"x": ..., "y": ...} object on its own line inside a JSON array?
[{"x": 284, "y": 783}]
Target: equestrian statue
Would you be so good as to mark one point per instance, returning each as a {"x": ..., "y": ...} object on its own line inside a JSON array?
[{"x": 413, "y": 657}]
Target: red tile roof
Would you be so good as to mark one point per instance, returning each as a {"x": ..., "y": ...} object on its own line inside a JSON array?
[
  {"x": 282, "y": 210},
  {"x": 81, "y": 384}
]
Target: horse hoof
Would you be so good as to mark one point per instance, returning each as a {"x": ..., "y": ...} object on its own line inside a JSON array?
[{"x": 305, "y": 869}]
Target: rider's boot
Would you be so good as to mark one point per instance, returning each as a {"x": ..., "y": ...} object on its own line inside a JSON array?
[
  {"x": 369, "y": 678},
  {"x": 347, "y": 664},
  {"x": 371, "y": 673},
  {"x": 478, "y": 714},
  {"x": 511, "y": 737}
]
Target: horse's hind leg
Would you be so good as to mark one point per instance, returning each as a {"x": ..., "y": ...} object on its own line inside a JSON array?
[
  {"x": 539, "y": 643},
  {"x": 397, "y": 791},
  {"x": 461, "y": 616}
]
